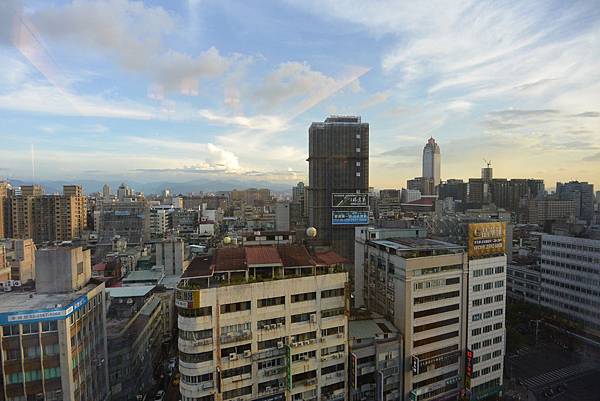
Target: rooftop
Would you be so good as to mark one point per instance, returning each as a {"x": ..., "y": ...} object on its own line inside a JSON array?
[
  {"x": 129, "y": 292},
  {"x": 417, "y": 247},
  {"x": 143, "y": 275},
  {"x": 18, "y": 301},
  {"x": 371, "y": 328},
  {"x": 261, "y": 262}
]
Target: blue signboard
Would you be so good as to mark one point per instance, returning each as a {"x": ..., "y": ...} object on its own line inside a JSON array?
[
  {"x": 41, "y": 315},
  {"x": 349, "y": 217}
]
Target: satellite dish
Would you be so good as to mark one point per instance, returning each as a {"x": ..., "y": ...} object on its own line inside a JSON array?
[{"x": 311, "y": 232}]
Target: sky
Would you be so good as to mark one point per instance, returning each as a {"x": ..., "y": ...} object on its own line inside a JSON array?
[{"x": 185, "y": 90}]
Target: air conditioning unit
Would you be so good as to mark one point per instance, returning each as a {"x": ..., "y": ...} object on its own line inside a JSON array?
[
  {"x": 247, "y": 353},
  {"x": 273, "y": 326},
  {"x": 294, "y": 345},
  {"x": 313, "y": 317},
  {"x": 323, "y": 339},
  {"x": 306, "y": 342},
  {"x": 340, "y": 335},
  {"x": 207, "y": 385},
  {"x": 232, "y": 357},
  {"x": 280, "y": 344},
  {"x": 16, "y": 283},
  {"x": 279, "y": 325},
  {"x": 246, "y": 332}
]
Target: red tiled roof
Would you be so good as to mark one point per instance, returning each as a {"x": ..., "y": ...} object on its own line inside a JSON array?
[
  {"x": 229, "y": 259},
  {"x": 262, "y": 255},
  {"x": 295, "y": 255},
  {"x": 330, "y": 258}
]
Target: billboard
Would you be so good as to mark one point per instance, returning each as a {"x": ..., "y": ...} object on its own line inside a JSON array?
[
  {"x": 349, "y": 217},
  {"x": 487, "y": 238},
  {"x": 350, "y": 200}
]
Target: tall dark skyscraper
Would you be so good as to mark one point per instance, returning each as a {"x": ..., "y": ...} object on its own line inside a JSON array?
[{"x": 338, "y": 168}]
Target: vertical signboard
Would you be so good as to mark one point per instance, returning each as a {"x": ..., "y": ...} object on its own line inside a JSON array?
[
  {"x": 468, "y": 369},
  {"x": 415, "y": 364}
]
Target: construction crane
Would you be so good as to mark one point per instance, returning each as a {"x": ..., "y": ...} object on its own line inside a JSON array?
[{"x": 488, "y": 162}]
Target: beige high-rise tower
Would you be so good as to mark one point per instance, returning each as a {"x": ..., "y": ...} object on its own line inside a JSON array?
[{"x": 48, "y": 217}]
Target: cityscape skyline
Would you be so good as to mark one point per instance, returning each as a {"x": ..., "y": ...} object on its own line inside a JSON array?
[{"x": 176, "y": 105}]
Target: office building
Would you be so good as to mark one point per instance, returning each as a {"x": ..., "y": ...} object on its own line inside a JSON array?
[
  {"x": 523, "y": 279},
  {"x": 570, "y": 271},
  {"x": 135, "y": 325},
  {"x": 170, "y": 254},
  {"x": 128, "y": 219},
  {"x": 4, "y": 265},
  {"x": 375, "y": 348},
  {"x": 539, "y": 211},
  {"x": 298, "y": 192},
  {"x": 362, "y": 236},
  {"x": 338, "y": 163},
  {"x": 282, "y": 216},
  {"x": 105, "y": 192},
  {"x": 4, "y": 200},
  {"x": 485, "y": 309},
  {"x": 263, "y": 322},
  {"x": 159, "y": 222},
  {"x": 54, "y": 344},
  {"x": 124, "y": 192},
  {"x": 453, "y": 188},
  {"x": 583, "y": 195},
  {"x": 420, "y": 285},
  {"x": 22, "y": 260},
  {"x": 432, "y": 162},
  {"x": 46, "y": 218}
]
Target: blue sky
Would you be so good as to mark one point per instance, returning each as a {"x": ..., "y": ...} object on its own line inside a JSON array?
[{"x": 182, "y": 90}]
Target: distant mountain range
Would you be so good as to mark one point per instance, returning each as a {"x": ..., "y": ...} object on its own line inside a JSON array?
[{"x": 195, "y": 186}]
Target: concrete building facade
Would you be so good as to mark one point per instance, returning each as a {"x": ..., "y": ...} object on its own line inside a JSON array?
[
  {"x": 421, "y": 286},
  {"x": 570, "y": 271},
  {"x": 375, "y": 348},
  {"x": 244, "y": 338},
  {"x": 338, "y": 163},
  {"x": 432, "y": 161},
  {"x": 54, "y": 344}
]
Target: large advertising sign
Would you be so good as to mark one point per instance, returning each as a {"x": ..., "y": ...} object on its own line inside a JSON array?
[
  {"x": 487, "y": 238},
  {"x": 349, "y": 217},
  {"x": 350, "y": 200}
]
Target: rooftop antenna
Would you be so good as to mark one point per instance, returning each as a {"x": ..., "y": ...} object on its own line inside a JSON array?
[{"x": 488, "y": 162}]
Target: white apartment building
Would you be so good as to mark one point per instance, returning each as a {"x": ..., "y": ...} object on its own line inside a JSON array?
[
  {"x": 486, "y": 326},
  {"x": 263, "y": 323},
  {"x": 159, "y": 222},
  {"x": 570, "y": 278},
  {"x": 420, "y": 285}
]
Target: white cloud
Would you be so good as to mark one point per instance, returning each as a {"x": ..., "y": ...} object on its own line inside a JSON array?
[
  {"x": 376, "y": 98},
  {"x": 298, "y": 82},
  {"x": 259, "y": 122},
  {"x": 47, "y": 99},
  {"x": 209, "y": 156},
  {"x": 131, "y": 33}
]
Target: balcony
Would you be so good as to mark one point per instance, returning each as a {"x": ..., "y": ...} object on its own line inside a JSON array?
[
  {"x": 191, "y": 346},
  {"x": 197, "y": 390},
  {"x": 233, "y": 337}
]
